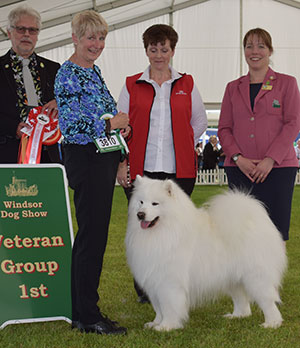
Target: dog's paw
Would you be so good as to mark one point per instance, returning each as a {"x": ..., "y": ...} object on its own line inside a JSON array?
[
  {"x": 150, "y": 325},
  {"x": 237, "y": 315},
  {"x": 165, "y": 327},
  {"x": 162, "y": 328},
  {"x": 272, "y": 324},
  {"x": 229, "y": 316}
]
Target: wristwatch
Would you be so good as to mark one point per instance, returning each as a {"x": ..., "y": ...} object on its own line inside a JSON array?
[{"x": 235, "y": 157}]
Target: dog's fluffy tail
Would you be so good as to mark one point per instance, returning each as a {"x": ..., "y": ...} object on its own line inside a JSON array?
[{"x": 242, "y": 220}]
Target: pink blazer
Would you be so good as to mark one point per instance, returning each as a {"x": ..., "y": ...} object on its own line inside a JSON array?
[{"x": 270, "y": 129}]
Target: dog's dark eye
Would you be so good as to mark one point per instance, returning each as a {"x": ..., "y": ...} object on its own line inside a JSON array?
[
  {"x": 155, "y": 203},
  {"x": 141, "y": 202}
]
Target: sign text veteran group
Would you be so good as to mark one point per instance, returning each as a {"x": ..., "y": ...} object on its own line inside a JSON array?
[{"x": 35, "y": 244}]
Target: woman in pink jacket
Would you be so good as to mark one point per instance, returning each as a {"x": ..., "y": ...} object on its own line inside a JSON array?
[{"x": 259, "y": 121}]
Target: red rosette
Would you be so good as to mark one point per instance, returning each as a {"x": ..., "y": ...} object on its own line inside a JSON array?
[
  {"x": 54, "y": 138},
  {"x": 41, "y": 125}
]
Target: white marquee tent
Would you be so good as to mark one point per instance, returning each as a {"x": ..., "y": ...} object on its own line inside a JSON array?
[{"x": 210, "y": 35}]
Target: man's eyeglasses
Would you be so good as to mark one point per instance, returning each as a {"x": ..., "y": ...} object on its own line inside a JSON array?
[{"x": 31, "y": 30}]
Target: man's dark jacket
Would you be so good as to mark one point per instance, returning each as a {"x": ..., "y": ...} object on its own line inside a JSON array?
[{"x": 9, "y": 110}]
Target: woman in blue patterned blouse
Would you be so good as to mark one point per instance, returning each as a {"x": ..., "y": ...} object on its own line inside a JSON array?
[{"x": 82, "y": 98}]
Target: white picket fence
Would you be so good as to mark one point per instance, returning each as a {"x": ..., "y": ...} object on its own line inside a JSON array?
[
  {"x": 211, "y": 177},
  {"x": 218, "y": 177}
]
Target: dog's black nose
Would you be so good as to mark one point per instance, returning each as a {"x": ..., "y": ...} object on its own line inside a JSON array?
[{"x": 141, "y": 215}]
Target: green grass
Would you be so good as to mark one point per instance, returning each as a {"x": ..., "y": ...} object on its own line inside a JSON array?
[{"x": 206, "y": 327}]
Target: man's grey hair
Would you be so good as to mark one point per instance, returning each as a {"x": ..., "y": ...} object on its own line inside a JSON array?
[{"x": 15, "y": 15}]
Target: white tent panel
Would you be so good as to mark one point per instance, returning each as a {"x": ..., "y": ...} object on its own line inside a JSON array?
[
  {"x": 124, "y": 54},
  {"x": 283, "y": 23},
  {"x": 213, "y": 24},
  {"x": 287, "y": 63},
  {"x": 135, "y": 10},
  {"x": 208, "y": 46},
  {"x": 208, "y": 70}
]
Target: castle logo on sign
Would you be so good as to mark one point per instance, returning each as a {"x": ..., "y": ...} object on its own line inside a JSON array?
[{"x": 18, "y": 187}]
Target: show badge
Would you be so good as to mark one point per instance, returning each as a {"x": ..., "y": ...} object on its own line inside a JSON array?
[
  {"x": 36, "y": 238},
  {"x": 113, "y": 141}
]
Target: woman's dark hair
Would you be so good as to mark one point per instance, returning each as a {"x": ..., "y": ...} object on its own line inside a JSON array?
[{"x": 160, "y": 33}]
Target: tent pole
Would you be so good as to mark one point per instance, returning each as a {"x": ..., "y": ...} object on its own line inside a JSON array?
[
  {"x": 241, "y": 38},
  {"x": 171, "y": 23}
]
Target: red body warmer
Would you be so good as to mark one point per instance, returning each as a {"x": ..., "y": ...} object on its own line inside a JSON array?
[{"x": 141, "y": 99}]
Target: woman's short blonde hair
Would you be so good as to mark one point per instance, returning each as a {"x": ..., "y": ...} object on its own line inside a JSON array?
[{"x": 88, "y": 20}]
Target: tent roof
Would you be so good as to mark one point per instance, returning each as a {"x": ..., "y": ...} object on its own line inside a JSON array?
[{"x": 57, "y": 15}]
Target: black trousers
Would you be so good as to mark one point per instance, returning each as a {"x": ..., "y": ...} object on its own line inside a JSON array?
[
  {"x": 186, "y": 184},
  {"x": 276, "y": 192},
  {"x": 92, "y": 176}
]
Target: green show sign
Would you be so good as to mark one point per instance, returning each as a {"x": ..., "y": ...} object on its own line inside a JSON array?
[{"x": 36, "y": 238}]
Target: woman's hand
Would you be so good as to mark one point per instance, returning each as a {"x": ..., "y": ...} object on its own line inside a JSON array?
[
  {"x": 50, "y": 109},
  {"x": 119, "y": 121},
  {"x": 125, "y": 132},
  {"x": 246, "y": 165},
  {"x": 262, "y": 169},
  {"x": 21, "y": 125},
  {"x": 123, "y": 177}
]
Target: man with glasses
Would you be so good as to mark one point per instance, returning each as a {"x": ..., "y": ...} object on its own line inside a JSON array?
[{"x": 26, "y": 81}]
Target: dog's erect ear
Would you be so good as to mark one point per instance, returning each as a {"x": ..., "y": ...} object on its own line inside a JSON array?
[{"x": 169, "y": 187}]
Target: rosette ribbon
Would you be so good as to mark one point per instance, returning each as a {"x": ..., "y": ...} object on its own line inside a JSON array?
[{"x": 43, "y": 130}]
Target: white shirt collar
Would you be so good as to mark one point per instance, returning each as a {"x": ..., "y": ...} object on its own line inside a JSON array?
[{"x": 146, "y": 75}]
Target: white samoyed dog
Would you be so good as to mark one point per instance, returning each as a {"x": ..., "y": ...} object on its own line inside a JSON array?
[{"x": 182, "y": 255}]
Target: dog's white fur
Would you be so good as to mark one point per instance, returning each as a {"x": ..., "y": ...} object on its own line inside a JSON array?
[{"x": 191, "y": 254}]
